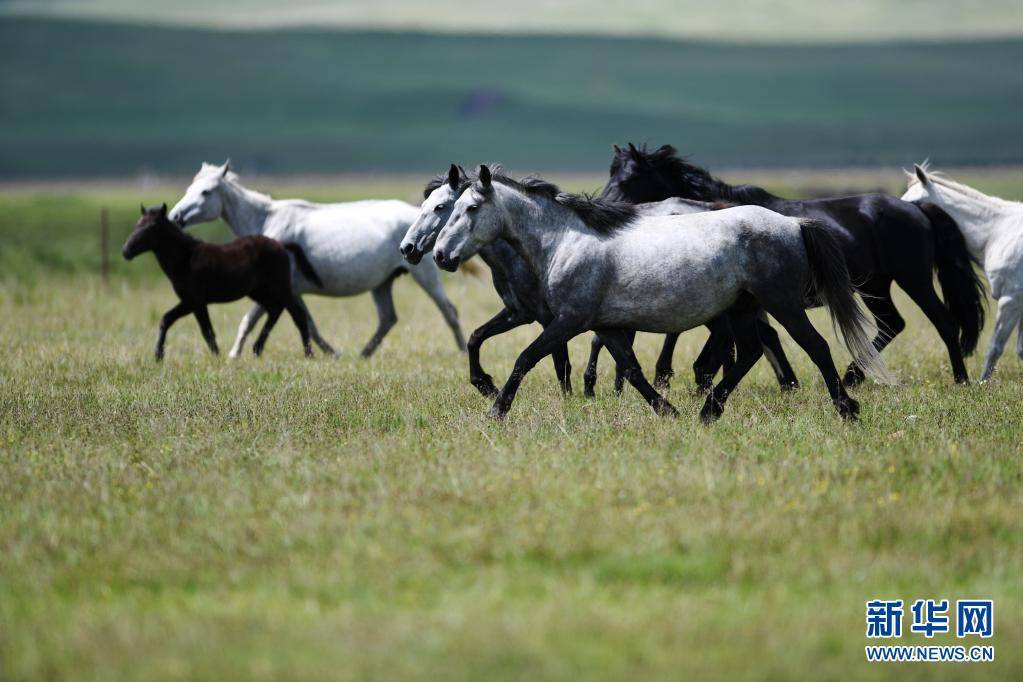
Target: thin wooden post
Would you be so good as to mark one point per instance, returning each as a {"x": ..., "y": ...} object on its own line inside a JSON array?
[{"x": 104, "y": 240}]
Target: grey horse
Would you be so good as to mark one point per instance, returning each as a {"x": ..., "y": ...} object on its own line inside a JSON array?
[{"x": 603, "y": 267}]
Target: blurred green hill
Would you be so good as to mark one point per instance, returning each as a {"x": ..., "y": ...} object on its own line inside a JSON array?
[{"x": 83, "y": 98}]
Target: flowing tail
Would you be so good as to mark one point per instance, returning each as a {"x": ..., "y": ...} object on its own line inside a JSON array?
[
  {"x": 831, "y": 283},
  {"x": 961, "y": 286},
  {"x": 303, "y": 263}
]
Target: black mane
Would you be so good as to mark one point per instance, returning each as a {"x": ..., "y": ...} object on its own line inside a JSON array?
[
  {"x": 602, "y": 216},
  {"x": 699, "y": 183}
]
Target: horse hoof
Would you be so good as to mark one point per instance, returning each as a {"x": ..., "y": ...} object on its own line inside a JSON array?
[
  {"x": 711, "y": 411},
  {"x": 849, "y": 409},
  {"x": 497, "y": 413},
  {"x": 665, "y": 409},
  {"x": 788, "y": 388},
  {"x": 853, "y": 378},
  {"x": 485, "y": 385},
  {"x": 662, "y": 383}
]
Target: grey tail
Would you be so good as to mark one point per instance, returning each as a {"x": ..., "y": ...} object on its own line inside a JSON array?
[
  {"x": 961, "y": 286},
  {"x": 303, "y": 263},
  {"x": 831, "y": 284}
]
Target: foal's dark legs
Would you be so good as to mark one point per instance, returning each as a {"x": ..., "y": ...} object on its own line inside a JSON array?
[
  {"x": 619, "y": 343},
  {"x": 169, "y": 318},
  {"x": 498, "y": 324},
  {"x": 272, "y": 314},
  {"x": 302, "y": 320},
  {"x": 619, "y": 371},
  {"x": 203, "y": 317}
]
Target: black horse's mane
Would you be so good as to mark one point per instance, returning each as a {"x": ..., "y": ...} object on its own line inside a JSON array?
[
  {"x": 602, "y": 216},
  {"x": 701, "y": 184}
]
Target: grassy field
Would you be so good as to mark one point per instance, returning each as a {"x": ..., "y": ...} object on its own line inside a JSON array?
[
  {"x": 82, "y": 99},
  {"x": 346, "y": 519}
]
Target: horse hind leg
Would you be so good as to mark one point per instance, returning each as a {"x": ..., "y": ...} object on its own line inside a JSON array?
[
  {"x": 386, "y": 316},
  {"x": 1007, "y": 319},
  {"x": 563, "y": 369},
  {"x": 271, "y": 319},
  {"x": 923, "y": 294},
  {"x": 889, "y": 325},
  {"x": 619, "y": 370},
  {"x": 246, "y": 326},
  {"x": 428, "y": 277},
  {"x": 590, "y": 375},
  {"x": 314, "y": 332},
  {"x": 663, "y": 370},
  {"x": 301, "y": 318},
  {"x": 775, "y": 354},
  {"x": 798, "y": 325}
]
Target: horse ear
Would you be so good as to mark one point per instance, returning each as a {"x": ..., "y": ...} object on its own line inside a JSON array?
[
  {"x": 142, "y": 208},
  {"x": 227, "y": 168},
  {"x": 632, "y": 148},
  {"x": 921, "y": 174},
  {"x": 163, "y": 209},
  {"x": 485, "y": 178},
  {"x": 616, "y": 149},
  {"x": 453, "y": 176}
]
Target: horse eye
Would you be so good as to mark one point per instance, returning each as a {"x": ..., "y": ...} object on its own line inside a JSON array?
[
  {"x": 205, "y": 192},
  {"x": 440, "y": 207},
  {"x": 472, "y": 207}
]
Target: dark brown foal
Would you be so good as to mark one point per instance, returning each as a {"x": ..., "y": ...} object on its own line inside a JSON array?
[{"x": 203, "y": 273}]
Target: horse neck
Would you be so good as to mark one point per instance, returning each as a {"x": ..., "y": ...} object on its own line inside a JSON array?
[
  {"x": 976, "y": 214},
  {"x": 535, "y": 228},
  {"x": 174, "y": 250},
  {"x": 719, "y": 190},
  {"x": 245, "y": 211}
]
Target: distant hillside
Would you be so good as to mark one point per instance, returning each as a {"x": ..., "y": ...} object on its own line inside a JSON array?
[
  {"x": 773, "y": 21},
  {"x": 83, "y": 98}
]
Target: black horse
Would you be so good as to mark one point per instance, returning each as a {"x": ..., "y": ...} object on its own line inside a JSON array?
[
  {"x": 884, "y": 240},
  {"x": 203, "y": 273}
]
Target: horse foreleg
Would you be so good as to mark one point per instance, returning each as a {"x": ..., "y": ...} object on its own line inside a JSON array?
[
  {"x": 619, "y": 344},
  {"x": 619, "y": 370},
  {"x": 247, "y": 324},
  {"x": 1008, "y": 317},
  {"x": 498, "y": 324},
  {"x": 555, "y": 334},
  {"x": 386, "y": 316},
  {"x": 428, "y": 277},
  {"x": 771, "y": 344},
  {"x": 202, "y": 316},
  {"x": 169, "y": 318}
]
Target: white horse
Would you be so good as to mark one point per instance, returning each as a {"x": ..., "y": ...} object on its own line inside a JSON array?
[
  {"x": 353, "y": 246},
  {"x": 993, "y": 229}
]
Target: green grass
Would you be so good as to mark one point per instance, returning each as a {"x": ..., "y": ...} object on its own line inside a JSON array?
[
  {"x": 284, "y": 518},
  {"x": 83, "y": 99}
]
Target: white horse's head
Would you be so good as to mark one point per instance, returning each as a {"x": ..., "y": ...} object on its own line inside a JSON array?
[
  {"x": 203, "y": 200},
  {"x": 440, "y": 196},
  {"x": 919, "y": 184},
  {"x": 477, "y": 219}
]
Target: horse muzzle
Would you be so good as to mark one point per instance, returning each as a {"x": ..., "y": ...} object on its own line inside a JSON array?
[{"x": 446, "y": 262}]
